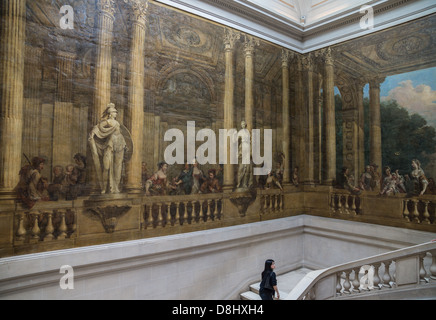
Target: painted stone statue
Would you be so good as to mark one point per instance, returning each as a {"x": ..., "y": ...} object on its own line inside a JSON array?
[
  {"x": 108, "y": 147},
  {"x": 245, "y": 168}
]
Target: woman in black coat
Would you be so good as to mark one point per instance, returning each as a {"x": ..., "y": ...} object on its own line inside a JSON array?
[{"x": 268, "y": 286}]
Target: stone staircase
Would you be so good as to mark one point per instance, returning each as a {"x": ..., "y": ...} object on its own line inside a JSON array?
[{"x": 285, "y": 282}]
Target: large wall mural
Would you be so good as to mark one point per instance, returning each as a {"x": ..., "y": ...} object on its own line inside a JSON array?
[{"x": 84, "y": 160}]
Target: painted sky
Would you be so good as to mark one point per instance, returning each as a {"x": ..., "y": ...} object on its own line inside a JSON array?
[{"x": 414, "y": 91}]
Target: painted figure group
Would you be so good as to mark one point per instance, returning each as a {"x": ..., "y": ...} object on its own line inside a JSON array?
[
  {"x": 191, "y": 180},
  {"x": 108, "y": 147},
  {"x": 388, "y": 183},
  {"x": 66, "y": 184}
]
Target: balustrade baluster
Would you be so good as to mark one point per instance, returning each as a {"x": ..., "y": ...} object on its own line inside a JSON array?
[
  {"x": 356, "y": 282},
  {"x": 422, "y": 271},
  {"x": 213, "y": 209},
  {"x": 36, "y": 231},
  {"x": 63, "y": 227},
  {"x": 347, "y": 206},
  {"x": 167, "y": 219},
  {"x": 21, "y": 231},
  {"x": 338, "y": 283},
  {"x": 159, "y": 221},
  {"x": 202, "y": 216},
  {"x": 149, "y": 218},
  {"x": 415, "y": 211},
  {"x": 219, "y": 209},
  {"x": 74, "y": 225},
  {"x": 267, "y": 203},
  {"x": 433, "y": 265},
  {"x": 426, "y": 213},
  {"x": 332, "y": 202},
  {"x": 208, "y": 212},
  {"x": 49, "y": 229},
  {"x": 406, "y": 212},
  {"x": 347, "y": 283},
  {"x": 376, "y": 278},
  {"x": 339, "y": 204},
  {"x": 386, "y": 276},
  {"x": 185, "y": 212},
  {"x": 353, "y": 205},
  {"x": 177, "y": 218}
]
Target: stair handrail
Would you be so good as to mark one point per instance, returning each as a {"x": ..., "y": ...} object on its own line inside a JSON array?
[{"x": 304, "y": 290}]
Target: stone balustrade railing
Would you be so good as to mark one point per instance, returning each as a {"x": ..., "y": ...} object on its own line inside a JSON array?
[{"x": 411, "y": 268}]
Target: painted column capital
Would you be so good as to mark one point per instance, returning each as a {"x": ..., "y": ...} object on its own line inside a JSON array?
[
  {"x": 107, "y": 7},
  {"x": 230, "y": 38}
]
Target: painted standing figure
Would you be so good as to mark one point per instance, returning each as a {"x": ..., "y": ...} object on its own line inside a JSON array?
[{"x": 108, "y": 146}]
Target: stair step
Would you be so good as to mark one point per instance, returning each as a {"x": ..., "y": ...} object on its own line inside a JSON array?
[
  {"x": 250, "y": 295},
  {"x": 286, "y": 283}
]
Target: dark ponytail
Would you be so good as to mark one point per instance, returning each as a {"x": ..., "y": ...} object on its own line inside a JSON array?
[{"x": 268, "y": 268}]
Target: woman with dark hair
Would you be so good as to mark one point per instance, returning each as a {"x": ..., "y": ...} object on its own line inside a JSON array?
[
  {"x": 268, "y": 285},
  {"x": 157, "y": 184}
]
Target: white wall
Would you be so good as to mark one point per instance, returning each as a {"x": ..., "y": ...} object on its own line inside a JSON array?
[{"x": 214, "y": 264}]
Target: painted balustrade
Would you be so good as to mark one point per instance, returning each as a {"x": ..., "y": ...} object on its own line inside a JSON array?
[
  {"x": 42, "y": 225},
  {"x": 167, "y": 211},
  {"x": 411, "y": 268},
  {"x": 272, "y": 200},
  {"x": 413, "y": 210},
  {"x": 344, "y": 203},
  {"x": 91, "y": 220}
]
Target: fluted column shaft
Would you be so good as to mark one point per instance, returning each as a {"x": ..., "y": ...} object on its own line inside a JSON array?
[
  {"x": 375, "y": 122},
  {"x": 329, "y": 111},
  {"x": 135, "y": 111},
  {"x": 250, "y": 44},
  {"x": 309, "y": 127},
  {"x": 12, "y": 49},
  {"x": 229, "y": 42},
  {"x": 286, "y": 116},
  {"x": 102, "y": 94},
  {"x": 361, "y": 127},
  {"x": 65, "y": 63}
]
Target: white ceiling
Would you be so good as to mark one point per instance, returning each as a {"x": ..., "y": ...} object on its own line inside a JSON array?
[
  {"x": 305, "y": 25},
  {"x": 306, "y": 12}
]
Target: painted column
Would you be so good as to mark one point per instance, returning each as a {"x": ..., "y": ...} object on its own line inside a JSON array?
[
  {"x": 63, "y": 116},
  {"x": 12, "y": 50},
  {"x": 298, "y": 135},
  {"x": 286, "y": 116},
  {"x": 103, "y": 68},
  {"x": 229, "y": 42},
  {"x": 308, "y": 116},
  {"x": 330, "y": 121},
  {"x": 250, "y": 44},
  {"x": 103, "y": 72},
  {"x": 135, "y": 111},
  {"x": 361, "y": 126},
  {"x": 375, "y": 125}
]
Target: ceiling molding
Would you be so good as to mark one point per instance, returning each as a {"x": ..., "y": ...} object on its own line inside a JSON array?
[{"x": 260, "y": 21}]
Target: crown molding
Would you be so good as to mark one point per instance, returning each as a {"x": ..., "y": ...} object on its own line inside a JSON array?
[{"x": 260, "y": 22}]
